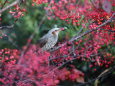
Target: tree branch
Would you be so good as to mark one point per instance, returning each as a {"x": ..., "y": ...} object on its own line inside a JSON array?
[
  {"x": 6, "y": 27},
  {"x": 30, "y": 39},
  {"x": 9, "y": 6},
  {"x": 89, "y": 31},
  {"x": 76, "y": 37},
  {"x": 103, "y": 74}
]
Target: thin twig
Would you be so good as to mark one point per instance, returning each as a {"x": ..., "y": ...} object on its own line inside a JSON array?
[
  {"x": 9, "y": 6},
  {"x": 13, "y": 43},
  {"x": 104, "y": 73},
  {"x": 4, "y": 4},
  {"x": 89, "y": 31},
  {"x": 30, "y": 39},
  {"x": 6, "y": 27}
]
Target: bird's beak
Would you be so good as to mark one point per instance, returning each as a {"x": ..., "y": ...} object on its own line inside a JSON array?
[{"x": 63, "y": 28}]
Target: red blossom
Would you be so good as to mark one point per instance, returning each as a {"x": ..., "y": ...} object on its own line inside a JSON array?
[
  {"x": 46, "y": 68},
  {"x": 34, "y": 69},
  {"x": 40, "y": 1}
]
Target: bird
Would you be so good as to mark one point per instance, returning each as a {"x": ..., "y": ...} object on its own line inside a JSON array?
[{"x": 49, "y": 40}]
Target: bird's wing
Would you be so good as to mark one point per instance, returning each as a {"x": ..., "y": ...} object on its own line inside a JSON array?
[{"x": 42, "y": 41}]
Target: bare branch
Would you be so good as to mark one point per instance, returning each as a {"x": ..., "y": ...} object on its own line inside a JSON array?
[
  {"x": 4, "y": 4},
  {"x": 103, "y": 74},
  {"x": 9, "y": 6},
  {"x": 89, "y": 31},
  {"x": 110, "y": 30},
  {"x": 76, "y": 37},
  {"x": 6, "y": 27},
  {"x": 30, "y": 39}
]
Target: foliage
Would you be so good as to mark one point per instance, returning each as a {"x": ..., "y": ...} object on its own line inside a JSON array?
[
  {"x": 87, "y": 44},
  {"x": 33, "y": 69}
]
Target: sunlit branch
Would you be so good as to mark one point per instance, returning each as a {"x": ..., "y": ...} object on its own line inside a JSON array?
[{"x": 103, "y": 74}]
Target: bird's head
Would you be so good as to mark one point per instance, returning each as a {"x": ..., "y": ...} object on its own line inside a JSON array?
[{"x": 55, "y": 31}]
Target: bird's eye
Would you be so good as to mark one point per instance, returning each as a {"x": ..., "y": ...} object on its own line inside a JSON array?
[{"x": 53, "y": 32}]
